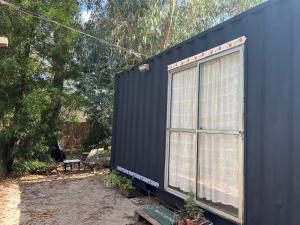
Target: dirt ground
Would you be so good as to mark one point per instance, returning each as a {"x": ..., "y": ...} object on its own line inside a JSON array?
[{"x": 64, "y": 199}]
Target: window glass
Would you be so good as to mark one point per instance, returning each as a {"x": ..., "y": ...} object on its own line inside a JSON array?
[
  {"x": 206, "y": 160},
  {"x": 218, "y": 168},
  {"x": 184, "y": 99},
  {"x": 182, "y": 163},
  {"x": 219, "y": 93}
]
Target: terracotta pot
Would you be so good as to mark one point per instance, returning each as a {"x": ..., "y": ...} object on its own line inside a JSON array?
[
  {"x": 182, "y": 222},
  {"x": 191, "y": 222}
]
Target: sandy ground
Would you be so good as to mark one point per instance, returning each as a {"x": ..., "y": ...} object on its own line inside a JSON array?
[{"x": 64, "y": 199}]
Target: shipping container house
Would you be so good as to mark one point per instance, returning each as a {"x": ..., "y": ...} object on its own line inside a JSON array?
[{"x": 219, "y": 115}]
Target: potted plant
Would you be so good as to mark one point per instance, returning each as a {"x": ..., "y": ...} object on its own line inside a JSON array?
[
  {"x": 126, "y": 187},
  {"x": 183, "y": 215},
  {"x": 195, "y": 213},
  {"x": 124, "y": 184}
]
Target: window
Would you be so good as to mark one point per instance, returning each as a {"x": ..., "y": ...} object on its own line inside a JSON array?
[{"x": 205, "y": 132}]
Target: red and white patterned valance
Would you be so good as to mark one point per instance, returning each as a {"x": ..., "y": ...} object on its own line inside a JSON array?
[{"x": 229, "y": 45}]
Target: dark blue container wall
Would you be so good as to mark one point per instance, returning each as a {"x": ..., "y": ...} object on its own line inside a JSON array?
[{"x": 272, "y": 111}]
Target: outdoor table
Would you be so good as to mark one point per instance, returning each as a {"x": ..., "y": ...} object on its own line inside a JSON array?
[{"x": 71, "y": 162}]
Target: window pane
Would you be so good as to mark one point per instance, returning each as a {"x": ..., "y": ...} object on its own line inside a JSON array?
[
  {"x": 184, "y": 99},
  {"x": 182, "y": 163},
  {"x": 218, "y": 168},
  {"x": 219, "y": 93}
]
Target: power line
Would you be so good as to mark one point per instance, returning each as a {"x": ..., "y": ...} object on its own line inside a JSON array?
[{"x": 35, "y": 15}]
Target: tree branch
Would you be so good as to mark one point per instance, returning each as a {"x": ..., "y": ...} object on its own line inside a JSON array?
[{"x": 167, "y": 28}]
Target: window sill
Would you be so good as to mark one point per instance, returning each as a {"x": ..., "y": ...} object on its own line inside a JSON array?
[{"x": 207, "y": 207}]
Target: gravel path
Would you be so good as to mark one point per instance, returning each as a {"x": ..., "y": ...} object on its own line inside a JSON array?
[{"x": 77, "y": 199}]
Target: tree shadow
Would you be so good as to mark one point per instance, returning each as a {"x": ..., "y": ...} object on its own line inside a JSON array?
[{"x": 53, "y": 199}]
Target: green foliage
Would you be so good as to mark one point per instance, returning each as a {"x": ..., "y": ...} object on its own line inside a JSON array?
[
  {"x": 48, "y": 72},
  {"x": 22, "y": 167},
  {"x": 33, "y": 70},
  {"x": 98, "y": 134},
  {"x": 111, "y": 179},
  {"x": 151, "y": 26},
  {"x": 115, "y": 180},
  {"x": 125, "y": 183},
  {"x": 191, "y": 206},
  {"x": 147, "y": 27}
]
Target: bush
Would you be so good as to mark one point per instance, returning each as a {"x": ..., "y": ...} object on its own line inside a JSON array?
[
  {"x": 112, "y": 179},
  {"x": 22, "y": 167},
  {"x": 97, "y": 135},
  {"x": 126, "y": 184},
  {"x": 115, "y": 180}
]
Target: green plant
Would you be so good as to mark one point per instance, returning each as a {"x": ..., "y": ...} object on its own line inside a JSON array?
[
  {"x": 22, "y": 167},
  {"x": 191, "y": 206},
  {"x": 115, "y": 180},
  {"x": 112, "y": 179},
  {"x": 36, "y": 165},
  {"x": 126, "y": 184}
]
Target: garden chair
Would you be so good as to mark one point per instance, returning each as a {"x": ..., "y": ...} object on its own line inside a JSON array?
[{"x": 92, "y": 160}]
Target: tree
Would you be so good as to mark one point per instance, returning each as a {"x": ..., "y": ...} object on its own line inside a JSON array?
[
  {"x": 19, "y": 71},
  {"x": 48, "y": 68},
  {"x": 33, "y": 71},
  {"x": 145, "y": 26}
]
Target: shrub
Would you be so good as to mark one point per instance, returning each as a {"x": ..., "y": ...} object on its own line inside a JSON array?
[
  {"x": 22, "y": 167},
  {"x": 36, "y": 165},
  {"x": 112, "y": 179},
  {"x": 115, "y": 180},
  {"x": 97, "y": 135},
  {"x": 125, "y": 183}
]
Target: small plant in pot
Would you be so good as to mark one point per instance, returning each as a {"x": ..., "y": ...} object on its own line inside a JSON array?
[
  {"x": 126, "y": 187},
  {"x": 195, "y": 213},
  {"x": 183, "y": 215}
]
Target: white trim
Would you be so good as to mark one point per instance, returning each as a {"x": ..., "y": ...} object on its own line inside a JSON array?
[
  {"x": 173, "y": 69},
  {"x": 205, "y": 206},
  {"x": 166, "y": 177},
  {"x": 229, "y": 132},
  {"x": 221, "y": 48},
  {"x": 138, "y": 176},
  {"x": 241, "y": 140}
]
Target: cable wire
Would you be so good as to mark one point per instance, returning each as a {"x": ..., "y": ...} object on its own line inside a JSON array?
[{"x": 35, "y": 15}]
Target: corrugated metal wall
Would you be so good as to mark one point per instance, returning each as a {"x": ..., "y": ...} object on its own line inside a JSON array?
[{"x": 272, "y": 145}]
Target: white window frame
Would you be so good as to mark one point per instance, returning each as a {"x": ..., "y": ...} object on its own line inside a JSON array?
[{"x": 240, "y": 218}]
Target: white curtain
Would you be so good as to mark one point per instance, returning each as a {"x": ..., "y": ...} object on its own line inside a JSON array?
[
  {"x": 218, "y": 177},
  {"x": 219, "y": 93},
  {"x": 184, "y": 99},
  {"x": 219, "y": 110},
  {"x": 182, "y": 163}
]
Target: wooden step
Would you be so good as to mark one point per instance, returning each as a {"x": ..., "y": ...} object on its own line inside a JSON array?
[{"x": 140, "y": 215}]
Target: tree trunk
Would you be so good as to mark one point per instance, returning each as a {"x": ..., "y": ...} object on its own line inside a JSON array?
[
  {"x": 167, "y": 28},
  {"x": 58, "y": 69},
  {"x": 6, "y": 157},
  {"x": 3, "y": 162}
]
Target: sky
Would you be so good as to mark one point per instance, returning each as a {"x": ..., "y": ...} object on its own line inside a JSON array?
[{"x": 85, "y": 14}]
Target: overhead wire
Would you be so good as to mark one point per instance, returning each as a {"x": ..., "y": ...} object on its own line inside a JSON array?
[{"x": 35, "y": 15}]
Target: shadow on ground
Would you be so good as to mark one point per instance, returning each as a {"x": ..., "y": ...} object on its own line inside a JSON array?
[{"x": 65, "y": 199}]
